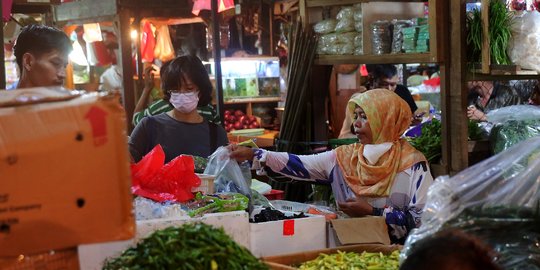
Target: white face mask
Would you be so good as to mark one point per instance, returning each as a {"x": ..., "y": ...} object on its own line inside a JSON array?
[{"x": 185, "y": 102}]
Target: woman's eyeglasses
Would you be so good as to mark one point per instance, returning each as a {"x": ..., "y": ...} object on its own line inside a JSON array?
[{"x": 184, "y": 91}]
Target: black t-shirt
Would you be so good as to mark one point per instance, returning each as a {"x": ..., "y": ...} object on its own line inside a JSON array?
[
  {"x": 405, "y": 94},
  {"x": 175, "y": 137}
]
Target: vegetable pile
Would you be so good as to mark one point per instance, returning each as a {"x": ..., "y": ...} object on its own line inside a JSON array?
[
  {"x": 269, "y": 214},
  {"x": 506, "y": 134},
  {"x": 429, "y": 143},
  {"x": 353, "y": 261},
  {"x": 192, "y": 246}
]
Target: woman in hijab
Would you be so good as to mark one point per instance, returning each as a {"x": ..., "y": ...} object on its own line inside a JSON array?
[{"x": 381, "y": 175}]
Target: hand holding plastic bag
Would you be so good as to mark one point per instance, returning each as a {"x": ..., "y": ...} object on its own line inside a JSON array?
[
  {"x": 230, "y": 176},
  {"x": 170, "y": 182}
]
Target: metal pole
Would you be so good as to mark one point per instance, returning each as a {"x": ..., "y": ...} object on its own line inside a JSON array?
[
  {"x": 2, "y": 56},
  {"x": 217, "y": 59}
]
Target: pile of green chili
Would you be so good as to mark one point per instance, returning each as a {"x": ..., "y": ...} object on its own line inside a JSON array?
[{"x": 193, "y": 246}]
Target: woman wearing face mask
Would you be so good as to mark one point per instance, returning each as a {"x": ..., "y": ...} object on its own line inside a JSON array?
[
  {"x": 182, "y": 130},
  {"x": 381, "y": 175}
]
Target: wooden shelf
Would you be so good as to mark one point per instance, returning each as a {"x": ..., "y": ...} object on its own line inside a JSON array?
[
  {"x": 488, "y": 77},
  {"x": 323, "y": 3},
  {"x": 400, "y": 58},
  {"x": 252, "y": 100}
]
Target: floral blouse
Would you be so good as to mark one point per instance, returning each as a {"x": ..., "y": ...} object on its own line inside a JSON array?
[{"x": 402, "y": 209}]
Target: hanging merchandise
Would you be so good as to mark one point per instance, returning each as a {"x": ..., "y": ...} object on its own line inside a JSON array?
[
  {"x": 199, "y": 5},
  {"x": 6, "y": 9},
  {"x": 101, "y": 53},
  {"x": 91, "y": 54},
  {"x": 92, "y": 32},
  {"x": 148, "y": 43},
  {"x": 164, "y": 50}
]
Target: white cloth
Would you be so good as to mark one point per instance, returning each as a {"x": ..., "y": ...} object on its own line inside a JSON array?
[{"x": 111, "y": 79}]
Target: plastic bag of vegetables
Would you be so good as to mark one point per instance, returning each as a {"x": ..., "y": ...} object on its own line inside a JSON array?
[
  {"x": 512, "y": 125},
  {"x": 497, "y": 200}
]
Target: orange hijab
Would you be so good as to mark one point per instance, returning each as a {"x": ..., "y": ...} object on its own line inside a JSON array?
[{"x": 388, "y": 116}]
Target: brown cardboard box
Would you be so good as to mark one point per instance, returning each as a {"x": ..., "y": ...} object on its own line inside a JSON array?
[
  {"x": 52, "y": 260},
  {"x": 64, "y": 171},
  {"x": 284, "y": 262},
  {"x": 365, "y": 230}
]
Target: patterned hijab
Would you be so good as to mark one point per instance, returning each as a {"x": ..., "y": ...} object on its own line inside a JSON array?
[{"x": 388, "y": 116}]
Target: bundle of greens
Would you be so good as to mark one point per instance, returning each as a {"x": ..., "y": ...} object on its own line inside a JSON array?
[
  {"x": 429, "y": 142},
  {"x": 508, "y": 133},
  {"x": 192, "y": 246},
  {"x": 500, "y": 21}
]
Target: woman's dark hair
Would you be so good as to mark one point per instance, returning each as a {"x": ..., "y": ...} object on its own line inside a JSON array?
[
  {"x": 39, "y": 39},
  {"x": 451, "y": 249},
  {"x": 173, "y": 71}
]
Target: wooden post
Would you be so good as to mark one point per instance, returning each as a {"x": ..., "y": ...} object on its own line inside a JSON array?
[
  {"x": 304, "y": 16},
  {"x": 2, "y": 56},
  {"x": 217, "y": 59},
  {"x": 456, "y": 96},
  {"x": 486, "y": 56},
  {"x": 128, "y": 95}
]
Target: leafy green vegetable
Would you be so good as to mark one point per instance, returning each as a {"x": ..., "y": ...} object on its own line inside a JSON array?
[
  {"x": 475, "y": 132},
  {"x": 474, "y": 35},
  {"x": 429, "y": 143},
  {"x": 192, "y": 246},
  {"x": 506, "y": 134}
]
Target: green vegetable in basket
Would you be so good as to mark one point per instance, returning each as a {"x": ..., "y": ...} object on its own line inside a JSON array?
[
  {"x": 223, "y": 202},
  {"x": 353, "y": 261},
  {"x": 192, "y": 246}
]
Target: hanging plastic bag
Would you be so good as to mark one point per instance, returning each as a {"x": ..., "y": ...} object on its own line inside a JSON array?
[
  {"x": 230, "y": 176},
  {"x": 496, "y": 200},
  {"x": 164, "y": 50},
  {"x": 148, "y": 43},
  {"x": 523, "y": 47},
  {"x": 170, "y": 182}
]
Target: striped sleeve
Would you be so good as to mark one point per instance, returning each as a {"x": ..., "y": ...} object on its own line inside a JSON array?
[
  {"x": 157, "y": 107},
  {"x": 209, "y": 113}
]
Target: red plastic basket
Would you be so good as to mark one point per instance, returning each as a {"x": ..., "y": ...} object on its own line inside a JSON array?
[{"x": 275, "y": 195}]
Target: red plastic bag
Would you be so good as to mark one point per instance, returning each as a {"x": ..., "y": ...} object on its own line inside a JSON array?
[
  {"x": 148, "y": 43},
  {"x": 170, "y": 182}
]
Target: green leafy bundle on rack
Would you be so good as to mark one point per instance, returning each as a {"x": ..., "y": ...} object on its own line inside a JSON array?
[
  {"x": 500, "y": 22},
  {"x": 192, "y": 246},
  {"x": 429, "y": 143}
]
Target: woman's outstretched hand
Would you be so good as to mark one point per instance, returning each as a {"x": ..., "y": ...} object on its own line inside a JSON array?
[
  {"x": 356, "y": 207},
  {"x": 240, "y": 153}
]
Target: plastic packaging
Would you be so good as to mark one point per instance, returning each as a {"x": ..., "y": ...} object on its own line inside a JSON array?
[
  {"x": 346, "y": 38},
  {"x": 146, "y": 209},
  {"x": 397, "y": 38},
  {"x": 515, "y": 112},
  {"x": 170, "y": 182},
  {"x": 523, "y": 47},
  {"x": 381, "y": 37},
  {"x": 358, "y": 51},
  {"x": 230, "y": 176},
  {"x": 164, "y": 50},
  {"x": 345, "y": 25},
  {"x": 328, "y": 39},
  {"x": 325, "y": 26},
  {"x": 496, "y": 200},
  {"x": 357, "y": 12},
  {"x": 346, "y": 13},
  {"x": 358, "y": 40},
  {"x": 359, "y": 26}
]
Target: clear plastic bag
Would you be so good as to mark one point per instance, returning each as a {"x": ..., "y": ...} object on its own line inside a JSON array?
[
  {"x": 346, "y": 38},
  {"x": 346, "y": 13},
  {"x": 523, "y": 47},
  {"x": 515, "y": 112},
  {"x": 357, "y": 12},
  {"x": 325, "y": 26},
  {"x": 146, "y": 209},
  {"x": 513, "y": 124},
  {"x": 328, "y": 39},
  {"x": 345, "y": 49},
  {"x": 230, "y": 176},
  {"x": 345, "y": 25},
  {"x": 358, "y": 40},
  {"x": 496, "y": 200},
  {"x": 359, "y": 50},
  {"x": 359, "y": 26}
]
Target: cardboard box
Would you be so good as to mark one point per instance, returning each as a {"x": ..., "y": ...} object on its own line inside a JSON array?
[
  {"x": 235, "y": 224},
  {"x": 52, "y": 260},
  {"x": 64, "y": 170},
  {"x": 285, "y": 262},
  {"x": 287, "y": 236},
  {"x": 366, "y": 230}
]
